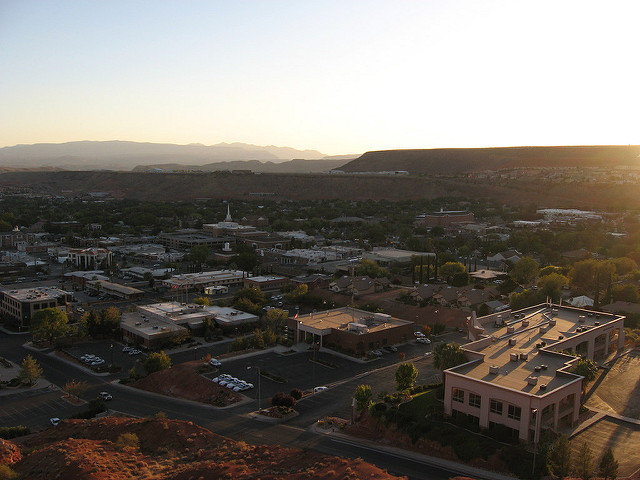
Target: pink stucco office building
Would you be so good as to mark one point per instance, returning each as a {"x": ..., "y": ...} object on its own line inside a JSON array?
[{"x": 518, "y": 370}]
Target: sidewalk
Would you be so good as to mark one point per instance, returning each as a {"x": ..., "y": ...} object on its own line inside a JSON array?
[
  {"x": 7, "y": 373},
  {"x": 449, "y": 465}
]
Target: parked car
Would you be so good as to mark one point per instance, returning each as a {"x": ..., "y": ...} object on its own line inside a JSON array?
[
  {"x": 424, "y": 340},
  {"x": 215, "y": 363},
  {"x": 106, "y": 396},
  {"x": 320, "y": 389},
  {"x": 54, "y": 421},
  {"x": 419, "y": 334}
]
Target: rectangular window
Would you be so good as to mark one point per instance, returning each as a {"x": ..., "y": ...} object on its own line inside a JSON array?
[
  {"x": 458, "y": 395},
  {"x": 474, "y": 400},
  {"x": 496, "y": 407},
  {"x": 514, "y": 412}
]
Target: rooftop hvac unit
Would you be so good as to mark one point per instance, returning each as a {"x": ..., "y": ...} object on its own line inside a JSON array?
[
  {"x": 581, "y": 318},
  {"x": 514, "y": 357},
  {"x": 552, "y": 322},
  {"x": 543, "y": 386},
  {"x": 532, "y": 380},
  {"x": 525, "y": 323},
  {"x": 494, "y": 369},
  {"x": 524, "y": 356},
  {"x": 510, "y": 329},
  {"x": 537, "y": 368},
  {"x": 544, "y": 367},
  {"x": 543, "y": 329},
  {"x": 512, "y": 341},
  {"x": 596, "y": 323}
]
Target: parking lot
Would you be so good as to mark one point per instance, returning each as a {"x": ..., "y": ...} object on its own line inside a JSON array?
[
  {"x": 34, "y": 408},
  {"x": 306, "y": 370},
  {"x": 110, "y": 352}
]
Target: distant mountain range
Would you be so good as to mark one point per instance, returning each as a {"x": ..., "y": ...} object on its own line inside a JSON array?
[
  {"x": 460, "y": 160},
  {"x": 118, "y": 155}
]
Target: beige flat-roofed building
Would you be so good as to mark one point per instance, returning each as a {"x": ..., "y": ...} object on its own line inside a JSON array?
[
  {"x": 350, "y": 329},
  {"x": 518, "y": 374},
  {"x": 19, "y": 305},
  {"x": 198, "y": 281}
]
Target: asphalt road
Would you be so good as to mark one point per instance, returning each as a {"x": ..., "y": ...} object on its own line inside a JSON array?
[{"x": 233, "y": 422}]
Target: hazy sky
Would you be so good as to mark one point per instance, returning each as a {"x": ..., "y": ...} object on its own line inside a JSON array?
[{"x": 336, "y": 76}]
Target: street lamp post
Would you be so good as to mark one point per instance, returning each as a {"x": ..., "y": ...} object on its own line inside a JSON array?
[
  {"x": 112, "y": 354},
  {"x": 258, "y": 367}
]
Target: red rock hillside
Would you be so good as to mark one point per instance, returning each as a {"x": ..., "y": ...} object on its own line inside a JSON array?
[{"x": 168, "y": 449}]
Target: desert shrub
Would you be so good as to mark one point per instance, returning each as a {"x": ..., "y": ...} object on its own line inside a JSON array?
[
  {"x": 296, "y": 393},
  {"x": 13, "y": 432},
  {"x": 128, "y": 440},
  {"x": 281, "y": 399},
  {"x": 378, "y": 409},
  {"x": 6, "y": 473}
]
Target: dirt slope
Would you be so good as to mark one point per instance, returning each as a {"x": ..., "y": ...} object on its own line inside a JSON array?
[{"x": 171, "y": 450}]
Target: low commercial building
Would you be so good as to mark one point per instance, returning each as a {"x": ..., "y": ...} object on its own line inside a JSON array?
[
  {"x": 386, "y": 257},
  {"x": 266, "y": 283},
  {"x": 519, "y": 371},
  {"x": 18, "y": 306},
  {"x": 445, "y": 218},
  {"x": 189, "y": 238},
  {"x": 115, "y": 290},
  {"x": 198, "y": 281},
  {"x": 159, "y": 324},
  {"x": 350, "y": 330}
]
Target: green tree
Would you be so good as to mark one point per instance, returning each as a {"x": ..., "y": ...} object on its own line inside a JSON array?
[
  {"x": 624, "y": 265},
  {"x": 255, "y": 295},
  {"x": 30, "y": 371},
  {"x": 550, "y": 269},
  {"x": 202, "y": 301},
  {"x": 246, "y": 305},
  {"x": 608, "y": 467},
  {"x": 551, "y": 285},
  {"x": 448, "y": 355},
  {"x": 363, "y": 396},
  {"x": 245, "y": 258},
  {"x": 269, "y": 336},
  {"x": 625, "y": 293},
  {"x": 49, "y": 323},
  {"x": 297, "y": 293},
  {"x": 450, "y": 269},
  {"x": 559, "y": 458},
  {"x": 157, "y": 361},
  {"x": 583, "y": 467},
  {"x": 525, "y": 299},
  {"x": 369, "y": 268},
  {"x": 586, "y": 368},
  {"x": 198, "y": 254},
  {"x": 406, "y": 375},
  {"x": 525, "y": 270},
  {"x": 258, "y": 339}
]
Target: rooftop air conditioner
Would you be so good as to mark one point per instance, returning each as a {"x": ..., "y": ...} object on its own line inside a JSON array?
[
  {"x": 494, "y": 369},
  {"x": 512, "y": 341},
  {"x": 514, "y": 357},
  {"x": 532, "y": 380}
]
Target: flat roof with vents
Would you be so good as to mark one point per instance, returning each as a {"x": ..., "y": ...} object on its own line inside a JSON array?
[{"x": 522, "y": 353}]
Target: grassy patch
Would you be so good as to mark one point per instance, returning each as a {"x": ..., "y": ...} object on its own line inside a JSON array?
[{"x": 421, "y": 404}]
